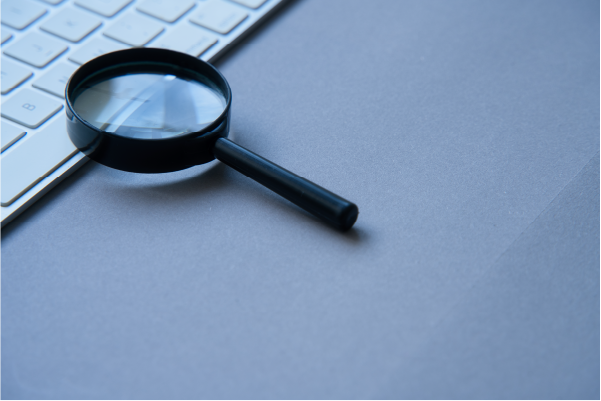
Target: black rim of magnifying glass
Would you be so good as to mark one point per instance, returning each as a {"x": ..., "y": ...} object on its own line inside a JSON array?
[{"x": 143, "y": 155}]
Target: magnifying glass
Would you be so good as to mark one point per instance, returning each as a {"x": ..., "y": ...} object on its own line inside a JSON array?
[{"x": 149, "y": 110}]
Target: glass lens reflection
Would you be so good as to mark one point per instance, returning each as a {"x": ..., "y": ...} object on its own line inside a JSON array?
[{"x": 149, "y": 105}]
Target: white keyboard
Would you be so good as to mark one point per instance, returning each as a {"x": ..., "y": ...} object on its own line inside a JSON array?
[{"x": 43, "y": 43}]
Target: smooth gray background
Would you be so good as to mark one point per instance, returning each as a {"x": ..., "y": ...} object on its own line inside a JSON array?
[{"x": 468, "y": 134}]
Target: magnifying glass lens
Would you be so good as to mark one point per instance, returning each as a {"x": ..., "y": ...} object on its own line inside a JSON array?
[{"x": 149, "y": 105}]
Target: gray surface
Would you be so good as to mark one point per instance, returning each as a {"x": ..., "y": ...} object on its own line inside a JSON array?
[
  {"x": 467, "y": 133},
  {"x": 523, "y": 335}
]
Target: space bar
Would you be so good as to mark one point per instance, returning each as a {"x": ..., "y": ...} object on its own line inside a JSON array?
[{"x": 34, "y": 159}]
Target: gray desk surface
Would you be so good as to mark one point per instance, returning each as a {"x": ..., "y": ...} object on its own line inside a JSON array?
[{"x": 467, "y": 133}]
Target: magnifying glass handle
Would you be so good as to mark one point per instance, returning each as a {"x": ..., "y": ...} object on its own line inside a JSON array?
[{"x": 314, "y": 199}]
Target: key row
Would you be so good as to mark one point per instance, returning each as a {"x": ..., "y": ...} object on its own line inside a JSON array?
[
  {"x": 19, "y": 14},
  {"x": 38, "y": 50},
  {"x": 185, "y": 38},
  {"x": 134, "y": 30}
]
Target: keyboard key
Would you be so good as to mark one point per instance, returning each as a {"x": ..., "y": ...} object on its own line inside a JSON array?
[
  {"x": 36, "y": 49},
  {"x": 20, "y": 13},
  {"x": 13, "y": 75},
  {"x": 55, "y": 80},
  {"x": 108, "y": 8},
  {"x": 134, "y": 30},
  {"x": 6, "y": 35},
  {"x": 37, "y": 157},
  {"x": 94, "y": 48},
  {"x": 219, "y": 16},
  {"x": 30, "y": 108},
  {"x": 186, "y": 39},
  {"x": 10, "y": 135},
  {"x": 71, "y": 24},
  {"x": 167, "y": 10},
  {"x": 251, "y": 3}
]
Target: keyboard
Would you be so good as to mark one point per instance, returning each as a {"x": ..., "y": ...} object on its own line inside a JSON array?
[{"x": 44, "y": 42}]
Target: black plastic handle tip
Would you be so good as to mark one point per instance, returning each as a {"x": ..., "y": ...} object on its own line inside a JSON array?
[{"x": 318, "y": 201}]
